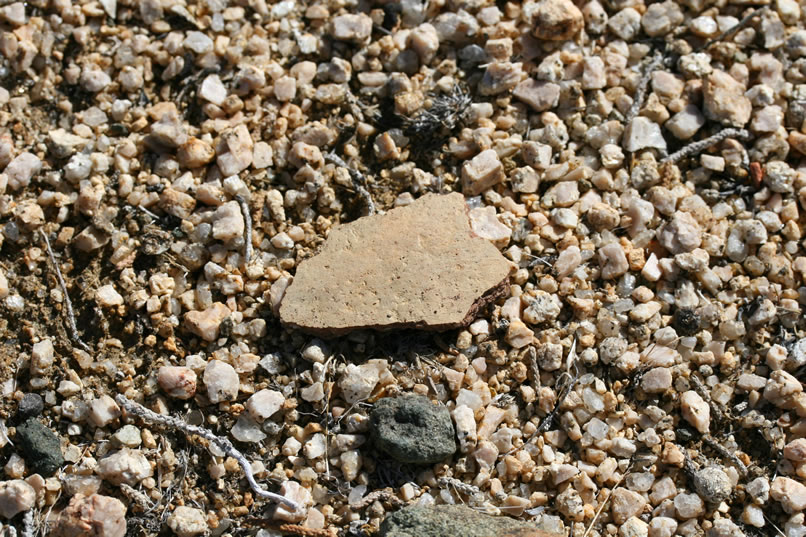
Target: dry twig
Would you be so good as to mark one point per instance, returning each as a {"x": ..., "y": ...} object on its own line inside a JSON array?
[
  {"x": 471, "y": 491},
  {"x": 137, "y": 497},
  {"x": 724, "y": 452},
  {"x": 571, "y": 382},
  {"x": 247, "y": 233},
  {"x": 68, "y": 304},
  {"x": 733, "y": 29},
  {"x": 359, "y": 181},
  {"x": 697, "y": 147},
  {"x": 223, "y": 444},
  {"x": 294, "y": 529},
  {"x": 643, "y": 83},
  {"x": 384, "y": 495},
  {"x": 28, "y": 529}
]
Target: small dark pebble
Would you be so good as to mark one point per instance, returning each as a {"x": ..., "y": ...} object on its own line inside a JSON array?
[
  {"x": 411, "y": 429},
  {"x": 686, "y": 322},
  {"x": 118, "y": 129},
  {"x": 684, "y": 434},
  {"x": 31, "y": 405},
  {"x": 39, "y": 446}
]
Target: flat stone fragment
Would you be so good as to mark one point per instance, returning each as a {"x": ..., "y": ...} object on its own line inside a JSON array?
[
  {"x": 177, "y": 381},
  {"x": 128, "y": 466},
  {"x": 62, "y": 144},
  {"x": 213, "y": 90},
  {"x": 686, "y": 122},
  {"x": 696, "y": 411},
  {"x": 206, "y": 323},
  {"x": 234, "y": 151},
  {"x": 412, "y": 429},
  {"x": 443, "y": 520},
  {"x": 417, "y": 266}
]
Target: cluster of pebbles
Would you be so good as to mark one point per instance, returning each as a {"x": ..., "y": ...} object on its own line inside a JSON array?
[{"x": 633, "y": 170}]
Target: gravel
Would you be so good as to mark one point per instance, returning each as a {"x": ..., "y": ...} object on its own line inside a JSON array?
[{"x": 592, "y": 207}]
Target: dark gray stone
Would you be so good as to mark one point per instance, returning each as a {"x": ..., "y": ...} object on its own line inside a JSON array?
[
  {"x": 39, "y": 446},
  {"x": 455, "y": 520},
  {"x": 31, "y": 405},
  {"x": 412, "y": 429}
]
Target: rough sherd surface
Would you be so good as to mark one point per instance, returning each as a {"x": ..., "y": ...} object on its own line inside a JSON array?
[
  {"x": 443, "y": 520},
  {"x": 417, "y": 266},
  {"x": 412, "y": 429},
  {"x": 40, "y": 447},
  {"x": 96, "y": 515}
]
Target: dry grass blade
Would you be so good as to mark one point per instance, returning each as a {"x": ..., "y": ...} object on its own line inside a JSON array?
[
  {"x": 604, "y": 502},
  {"x": 68, "y": 304}
]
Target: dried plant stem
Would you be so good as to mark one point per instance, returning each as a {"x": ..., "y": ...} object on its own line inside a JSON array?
[
  {"x": 247, "y": 234},
  {"x": 359, "y": 181},
  {"x": 572, "y": 380},
  {"x": 294, "y": 529},
  {"x": 471, "y": 491},
  {"x": 533, "y": 365},
  {"x": 68, "y": 304},
  {"x": 724, "y": 452},
  {"x": 28, "y": 529},
  {"x": 385, "y": 495},
  {"x": 224, "y": 444},
  {"x": 137, "y": 497},
  {"x": 733, "y": 29},
  {"x": 697, "y": 147},
  {"x": 643, "y": 83}
]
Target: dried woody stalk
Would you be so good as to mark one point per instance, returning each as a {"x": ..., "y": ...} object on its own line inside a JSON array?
[
  {"x": 247, "y": 234},
  {"x": 223, "y": 444}
]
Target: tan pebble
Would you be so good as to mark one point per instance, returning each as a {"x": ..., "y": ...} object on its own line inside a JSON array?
[
  {"x": 195, "y": 153},
  {"x": 557, "y": 20},
  {"x": 791, "y": 494},
  {"x": 696, "y": 411},
  {"x": 178, "y": 382},
  {"x": 97, "y": 515}
]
